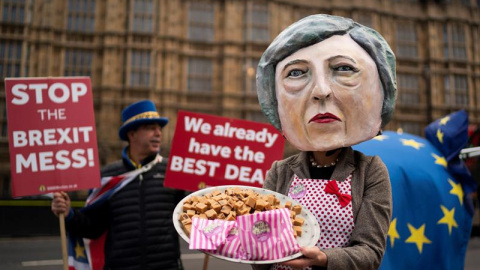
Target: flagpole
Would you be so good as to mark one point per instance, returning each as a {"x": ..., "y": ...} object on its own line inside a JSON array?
[
  {"x": 469, "y": 152},
  {"x": 63, "y": 238},
  {"x": 205, "y": 262}
]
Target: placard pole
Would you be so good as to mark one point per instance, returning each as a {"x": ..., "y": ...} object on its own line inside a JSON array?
[
  {"x": 63, "y": 237},
  {"x": 205, "y": 262}
]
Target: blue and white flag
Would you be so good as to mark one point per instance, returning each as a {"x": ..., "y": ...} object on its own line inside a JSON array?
[{"x": 431, "y": 224}]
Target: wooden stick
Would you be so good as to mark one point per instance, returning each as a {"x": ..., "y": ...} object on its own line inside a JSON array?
[
  {"x": 205, "y": 262},
  {"x": 63, "y": 238}
]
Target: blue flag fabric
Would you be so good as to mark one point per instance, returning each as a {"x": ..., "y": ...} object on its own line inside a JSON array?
[
  {"x": 77, "y": 256},
  {"x": 430, "y": 226},
  {"x": 450, "y": 135}
]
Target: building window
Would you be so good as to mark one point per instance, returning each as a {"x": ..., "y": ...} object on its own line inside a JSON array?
[
  {"x": 412, "y": 128},
  {"x": 408, "y": 89},
  {"x": 78, "y": 62},
  {"x": 305, "y": 12},
  {"x": 406, "y": 40},
  {"x": 364, "y": 19},
  {"x": 456, "y": 90},
  {"x": 10, "y": 66},
  {"x": 3, "y": 119},
  {"x": 250, "y": 75},
  {"x": 256, "y": 22},
  {"x": 14, "y": 11},
  {"x": 140, "y": 68},
  {"x": 10, "y": 59},
  {"x": 26, "y": 64},
  {"x": 142, "y": 16},
  {"x": 201, "y": 21},
  {"x": 454, "y": 46},
  {"x": 81, "y": 15},
  {"x": 257, "y": 116},
  {"x": 199, "y": 75}
]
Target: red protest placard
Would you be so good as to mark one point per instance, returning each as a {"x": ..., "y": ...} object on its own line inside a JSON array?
[
  {"x": 210, "y": 150},
  {"x": 52, "y": 138}
]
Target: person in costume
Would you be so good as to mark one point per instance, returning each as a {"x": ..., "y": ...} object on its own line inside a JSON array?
[
  {"x": 327, "y": 83},
  {"x": 137, "y": 218}
]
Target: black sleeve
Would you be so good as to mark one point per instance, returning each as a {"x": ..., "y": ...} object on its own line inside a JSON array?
[
  {"x": 180, "y": 194},
  {"x": 89, "y": 223}
]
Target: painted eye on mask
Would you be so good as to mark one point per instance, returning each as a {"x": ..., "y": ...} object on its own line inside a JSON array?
[
  {"x": 345, "y": 68},
  {"x": 295, "y": 73}
]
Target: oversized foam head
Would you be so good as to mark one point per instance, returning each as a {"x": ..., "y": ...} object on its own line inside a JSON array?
[{"x": 327, "y": 82}]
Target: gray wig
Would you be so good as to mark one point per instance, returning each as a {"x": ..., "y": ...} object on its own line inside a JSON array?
[{"x": 314, "y": 29}]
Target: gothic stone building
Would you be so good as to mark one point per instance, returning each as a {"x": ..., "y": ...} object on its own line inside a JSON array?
[{"x": 201, "y": 55}]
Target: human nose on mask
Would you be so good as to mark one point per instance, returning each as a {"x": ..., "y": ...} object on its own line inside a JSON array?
[{"x": 321, "y": 89}]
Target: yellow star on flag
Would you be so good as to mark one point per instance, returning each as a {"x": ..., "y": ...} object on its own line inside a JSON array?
[
  {"x": 448, "y": 218},
  {"x": 380, "y": 137},
  {"x": 392, "y": 232},
  {"x": 418, "y": 237},
  {"x": 456, "y": 190},
  {"x": 444, "y": 120},
  {"x": 440, "y": 135},
  {"x": 412, "y": 143},
  {"x": 440, "y": 160},
  {"x": 79, "y": 251}
]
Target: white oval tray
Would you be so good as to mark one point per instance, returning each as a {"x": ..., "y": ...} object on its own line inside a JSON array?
[{"x": 310, "y": 228}]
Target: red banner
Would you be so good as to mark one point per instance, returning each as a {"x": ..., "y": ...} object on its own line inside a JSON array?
[
  {"x": 210, "y": 150},
  {"x": 52, "y": 138}
]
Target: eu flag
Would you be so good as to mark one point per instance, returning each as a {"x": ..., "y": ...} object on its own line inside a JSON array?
[{"x": 430, "y": 226}]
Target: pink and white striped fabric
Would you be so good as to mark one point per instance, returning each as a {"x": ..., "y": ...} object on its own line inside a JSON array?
[
  {"x": 267, "y": 235},
  {"x": 232, "y": 247},
  {"x": 209, "y": 234}
]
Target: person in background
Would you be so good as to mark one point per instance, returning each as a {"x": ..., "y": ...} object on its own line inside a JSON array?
[
  {"x": 137, "y": 218},
  {"x": 327, "y": 83}
]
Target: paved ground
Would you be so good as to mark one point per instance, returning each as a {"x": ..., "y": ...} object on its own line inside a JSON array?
[
  {"x": 472, "y": 260},
  {"x": 45, "y": 254}
]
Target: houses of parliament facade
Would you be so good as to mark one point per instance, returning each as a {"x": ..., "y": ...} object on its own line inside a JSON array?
[{"x": 201, "y": 56}]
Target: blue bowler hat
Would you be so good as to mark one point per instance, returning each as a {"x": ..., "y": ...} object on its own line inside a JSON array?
[{"x": 139, "y": 113}]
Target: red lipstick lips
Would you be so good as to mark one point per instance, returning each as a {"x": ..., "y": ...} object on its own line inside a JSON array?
[{"x": 324, "y": 118}]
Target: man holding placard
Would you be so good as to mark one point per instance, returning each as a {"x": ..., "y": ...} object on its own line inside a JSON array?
[{"x": 132, "y": 207}]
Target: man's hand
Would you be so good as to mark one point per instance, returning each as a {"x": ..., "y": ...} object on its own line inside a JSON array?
[
  {"x": 311, "y": 256},
  {"x": 60, "y": 203}
]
